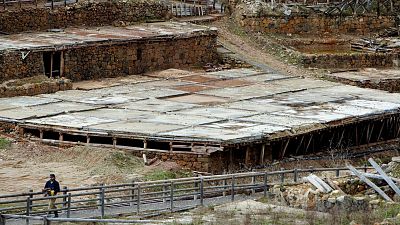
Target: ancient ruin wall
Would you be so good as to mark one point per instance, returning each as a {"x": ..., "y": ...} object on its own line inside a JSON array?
[
  {"x": 81, "y": 14},
  {"x": 16, "y": 65},
  {"x": 317, "y": 23},
  {"x": 114, "y": 58},
  {"x": 352, "y": 60},
  {"x": 137, "y": 57}
]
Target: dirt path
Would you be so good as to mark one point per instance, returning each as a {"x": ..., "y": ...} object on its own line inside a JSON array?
[{"x": 250, "y": 47}]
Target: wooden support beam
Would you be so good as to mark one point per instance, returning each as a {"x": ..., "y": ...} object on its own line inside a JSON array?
[
  {"x": 370, "y": 133},
  {"x": 369, "y": 182},
  {"x": 262, "y": 154},
  {"x": 385, "y": 176},
  {"x": 298, "y": 146},
  {"x": 309, "y": 142},
  {"x": 284, "y": 148},
  {"x": 247, "y": 159}
]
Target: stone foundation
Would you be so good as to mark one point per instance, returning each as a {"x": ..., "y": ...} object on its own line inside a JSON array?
[
  {"x": 7, "y": 89},
  {"x": 81, "y": 14},
  {"x": 317, "y": 24},
  {"x": 351, "y": 60}
]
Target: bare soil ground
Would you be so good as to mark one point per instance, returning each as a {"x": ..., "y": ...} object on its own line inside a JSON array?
[{"x": 26, "y": 165}]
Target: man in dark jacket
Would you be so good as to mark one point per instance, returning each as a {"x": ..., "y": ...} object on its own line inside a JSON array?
[{"x": 51, "y": 188}]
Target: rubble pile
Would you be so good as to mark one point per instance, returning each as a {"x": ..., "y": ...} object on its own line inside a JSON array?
[{"x": 350, "y": 194}]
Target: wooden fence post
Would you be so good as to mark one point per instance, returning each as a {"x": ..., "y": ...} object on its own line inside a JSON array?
[
  {"x": 172, "y": 196},
  {"x": 69, "y": 205},
  {"x": 337, "y": 172},
  {"x": 201, "y": 191},
  {"x": 233, "y": 189},
  {"x": 282, "y": 176},
  {"x": 52, "y": 7},
  {"x": 138, "y": 199},
  {"x": 28, "y": 209},
  {"x": 225, "y": 182},
  {"x": 295, "y": 175}
]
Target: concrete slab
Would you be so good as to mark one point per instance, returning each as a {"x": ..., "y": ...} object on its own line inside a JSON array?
[
  {"x": 69, "y": 121},
  {"x": 43, "y": 110},
  {"x": 198, "y": 99},
  {"x": 158, "y": 108},
  {"x": 219, "y": 112},
  {"x": 287, "y": 121},
  {"x": 80, "y": 36},
  {"x": 234, "y": 73},
  {"x": 136, "y": 127},
  {"x": 23, "y": 101},
  {"x": 157, "y": 105},
  {"x": 180, "y": 119},
  {"x": 257, "y": 105}
]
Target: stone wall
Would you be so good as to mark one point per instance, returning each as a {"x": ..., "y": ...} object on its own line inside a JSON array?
[
  {"x": 14, "y": 66},
  {"x": 198, "y": 162},
  {"x": 138, "y": 57},
  {"x": 317, "y": 23},
  {"x": 81, "y": 14},
  {"x": 35, "y": 88},
  {"x": 116, "y": 59},
  {"x": 351, "y": 60}
]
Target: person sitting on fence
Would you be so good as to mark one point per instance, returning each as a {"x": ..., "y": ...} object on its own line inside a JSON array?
[{"x": 51, "y": 188}]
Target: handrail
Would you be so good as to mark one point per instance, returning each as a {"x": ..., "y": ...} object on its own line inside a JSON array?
[{"x": 162, "y": 193}]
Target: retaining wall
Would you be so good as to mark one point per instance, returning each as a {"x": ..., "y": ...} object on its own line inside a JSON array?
[{"x": 83, "y": 13}]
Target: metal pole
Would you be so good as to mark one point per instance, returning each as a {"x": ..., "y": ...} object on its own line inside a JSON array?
[
  {"x": 2, "y": 220},
  {"x": 201, "y": 191},
  {"x": 172, "y": 197},
  {"x": 233, "y": 189},
  {"x": 102, "y": 202},
  {"x": 265, "y": 183},
  {"x": 64, "y": 191},
  {"x": 69, "y": 205},
  {"x": 28, "y": 209},
  {"x": 138, "y": 199},
  {"x": 132, "y": 193}
]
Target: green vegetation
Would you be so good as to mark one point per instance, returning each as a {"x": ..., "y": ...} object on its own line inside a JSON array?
[
  {"x": 164, "y": 175},
  {"x": 4, "y": 143}
]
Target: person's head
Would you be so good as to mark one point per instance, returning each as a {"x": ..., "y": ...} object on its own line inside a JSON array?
[{"x": 52, "y": 176}]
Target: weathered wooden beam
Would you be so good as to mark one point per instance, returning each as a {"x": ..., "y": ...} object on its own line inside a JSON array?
[
  {"x": 369, "y": 182},
  {"x": 385, "y": 176}
]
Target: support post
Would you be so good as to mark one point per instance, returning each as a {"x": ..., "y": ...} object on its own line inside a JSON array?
[
  {"x": 337, "y": 172},
  {"x": 172, "y": 197},
  {"x": 64, "y": 191},
  {"x": 295, "y": 175},
  {"x": 253, "y": 184},
  {"x": 102, "y": 202},
  {"x": 164, "y": 189},
  {"x": 69, "y": 206},
  {"x": 138, "y": 200},
  {"x": 2, "y": 220},
  {"x": 28, "y": 209},
  {"x": 4, "y": 4},
  {"x": 282, "y": 176},
  {"x": 233, "y": 189},
  {"x": 262, "y": 154},
  {"x": 30, "y": 196},
  {"x": 132, "y": 197},
  {"x": 51, "y": 69},
  {"x": 201, "y": 191},
  {"x": 265, "y": 184}
]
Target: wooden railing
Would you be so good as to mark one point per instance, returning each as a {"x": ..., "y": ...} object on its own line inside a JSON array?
[{"x": 153, "y": 196}]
